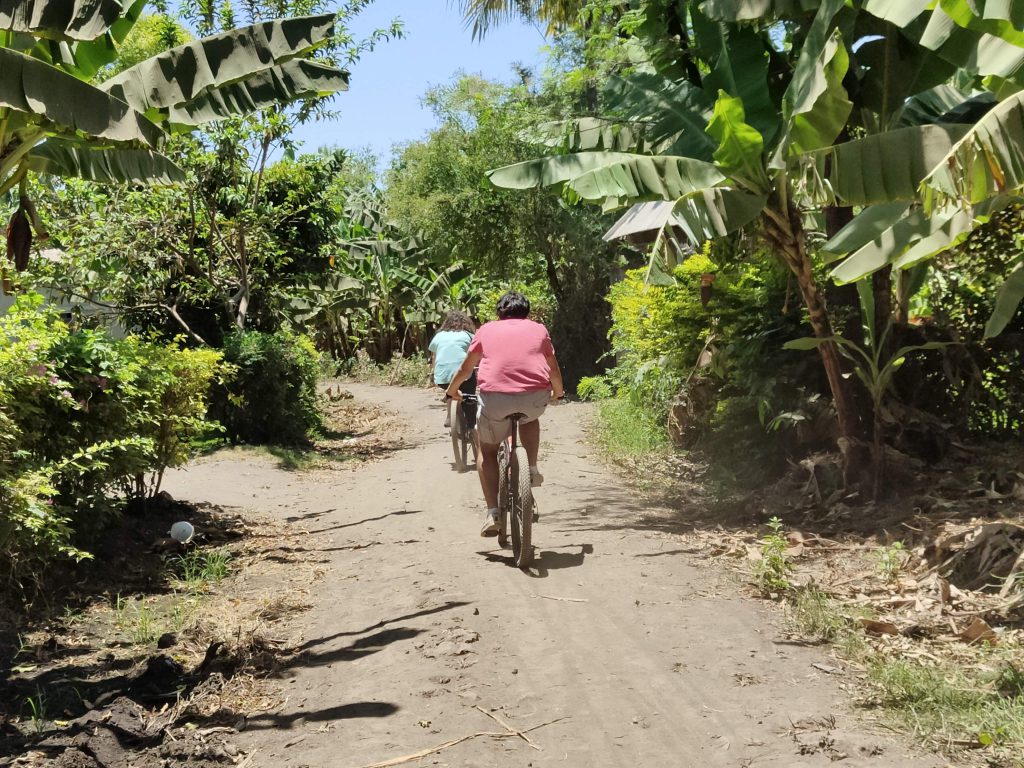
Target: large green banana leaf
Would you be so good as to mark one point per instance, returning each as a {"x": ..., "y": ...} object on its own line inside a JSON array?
[
  {"x": 1000, "y": 19},
  {"x": 881, "y": 168},
  {"x": 641, "y": 177},
  {"x": 292, "y": 80},
  {"x": 62, "y": 157},
  {"x": 972, "y": 50},
  {"x": 987, "y": 160},
  {"x": 815, "y": 106},
  {"x": 740, "y": 147},
  {"x": 36, "y": 88},
  {"x": 870, "y": 224},
  {"x": 934, "y": 105},
  {"x": 86, "y": 57},
  {"x": 559, "y": 169},
  {"x": 1008, "y": 300},
  {"x": 592, "y": 133},
  {"x": 175, "y": 78},
  {"x": 711, "y": 213},
  {"x": 898, "y": 12},
  {"x": 897, "y": 72},
  {"x": 598, "y": 176},
  {"x": 751, "y": 10},
  {"x": 903, "y": 241},
  {"x": 60, "y": 19},
  {"x": 674, "y": 113},
  {"x": 739, "y": 66}
]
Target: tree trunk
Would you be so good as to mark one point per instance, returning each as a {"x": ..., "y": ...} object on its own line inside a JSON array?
[{"x": 784, "y": 230}]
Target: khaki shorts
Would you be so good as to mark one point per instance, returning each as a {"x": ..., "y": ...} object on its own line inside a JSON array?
[{"x": 495, "y": 408}]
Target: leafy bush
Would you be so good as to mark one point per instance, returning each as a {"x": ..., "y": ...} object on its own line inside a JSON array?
[
  {"x": 84, "y": 418},
  {"x": 711, "y": 369},
  {"x": 272, "y": 396}
]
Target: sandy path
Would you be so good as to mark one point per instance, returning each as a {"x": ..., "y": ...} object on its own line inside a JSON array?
[{"x": 650, "y": 657}]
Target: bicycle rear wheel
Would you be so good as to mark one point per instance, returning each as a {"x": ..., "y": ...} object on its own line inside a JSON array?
[
  {"x": 504, "y": 502},
  {"x": 522, "y": 509},
  {"x": 459, "y": 439}
]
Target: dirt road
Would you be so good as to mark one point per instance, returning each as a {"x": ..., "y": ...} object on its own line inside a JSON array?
[{"x": 621, "y": 647}]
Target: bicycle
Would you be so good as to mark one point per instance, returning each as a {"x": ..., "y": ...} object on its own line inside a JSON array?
[
  {"x": 516, "y": 507},
  {"x": 462, "y": 433}
]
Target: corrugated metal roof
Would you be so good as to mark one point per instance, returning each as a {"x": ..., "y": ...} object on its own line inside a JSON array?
[{"x": 643, "y": 218}]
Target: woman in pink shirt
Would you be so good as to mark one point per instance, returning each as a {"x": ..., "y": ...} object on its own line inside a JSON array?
[{"x": 518, "y": 373}]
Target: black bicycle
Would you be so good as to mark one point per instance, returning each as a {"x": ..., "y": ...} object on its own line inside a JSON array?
[
  {"x": 516, "y": 507},
  {"x": 463, "y": 431}
]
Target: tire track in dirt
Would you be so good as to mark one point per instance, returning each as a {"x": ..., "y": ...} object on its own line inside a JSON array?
[{"x": 419, "y": 621}]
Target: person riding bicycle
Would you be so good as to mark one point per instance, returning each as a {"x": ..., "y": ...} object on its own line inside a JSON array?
[
  {"x": 518, "y": 373},
  {"x": 447, "y": 351}
]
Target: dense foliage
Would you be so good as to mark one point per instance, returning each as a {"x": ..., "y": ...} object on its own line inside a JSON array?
[
  {"x": 271, "y": 396},
  {"x": 89, "y": 422}
]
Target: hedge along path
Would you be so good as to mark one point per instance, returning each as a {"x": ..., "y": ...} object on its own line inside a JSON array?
[{"x": 642, "y": 653}]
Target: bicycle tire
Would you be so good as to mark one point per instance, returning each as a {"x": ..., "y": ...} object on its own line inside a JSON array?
[
  {"x": 503, "y": 496},
  {"x": 522, "y": 509},
  {"x": 458, "y": 439}
]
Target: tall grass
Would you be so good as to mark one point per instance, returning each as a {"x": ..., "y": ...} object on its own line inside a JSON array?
[{"x": 625, "y": 431}]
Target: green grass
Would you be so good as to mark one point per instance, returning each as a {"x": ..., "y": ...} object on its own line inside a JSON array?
[
  {"x": 967, "y": 705},
  {"x": 145, "y": 629},
  {"x": 625, "y": 431},
  {"x": 294, "y": 459},
  {"x": 37, "y": 713},
  {"x": 200, "y": 568},
  {"x": 949, "y": 705}
]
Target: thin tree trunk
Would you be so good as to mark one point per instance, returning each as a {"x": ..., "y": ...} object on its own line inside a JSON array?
[{"x": 784, "y": 231}]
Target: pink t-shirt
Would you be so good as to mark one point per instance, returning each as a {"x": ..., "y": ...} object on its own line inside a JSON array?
[{"x": 514, "y": 356}]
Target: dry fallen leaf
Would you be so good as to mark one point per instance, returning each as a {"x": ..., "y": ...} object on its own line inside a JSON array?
[
  {"x": 879, "y": 627},
  {"x": 977, "y": 632}
]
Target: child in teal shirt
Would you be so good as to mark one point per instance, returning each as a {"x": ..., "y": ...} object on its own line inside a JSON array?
[{"x": 448, "y": 350}]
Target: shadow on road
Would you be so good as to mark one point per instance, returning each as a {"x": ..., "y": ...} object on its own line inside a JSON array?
[
  {"x": 340, "y": 712},
  {"x": 367, "y": 520},
  {"x": 545, "y": 560},
  {"x": 425, "y": 612},
  {"x": 364, "y": 646}
]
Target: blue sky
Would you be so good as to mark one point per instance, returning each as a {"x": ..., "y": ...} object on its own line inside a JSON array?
[{"x": 382, "y": 107}]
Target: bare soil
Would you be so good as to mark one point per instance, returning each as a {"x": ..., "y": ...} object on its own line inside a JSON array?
[
  {"x": 620, "y": 647},
  {"x": 375, "y": 627}
]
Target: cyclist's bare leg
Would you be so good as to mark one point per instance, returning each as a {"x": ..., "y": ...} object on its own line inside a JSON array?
[
  {"x": 529, "y": 437},
  {"x": 488, "y": 469}
]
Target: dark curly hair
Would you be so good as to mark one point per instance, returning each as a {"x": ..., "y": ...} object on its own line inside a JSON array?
[
  {"x": 513, "y": 306},
  {"x": 457, "y": 321}
]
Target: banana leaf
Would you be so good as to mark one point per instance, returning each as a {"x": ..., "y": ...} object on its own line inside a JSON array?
[
  {"x": 1008, "y": 300},
  {"x": 987, "y": 160},
  {"x": 60, "y": 19},
  {"x": 674, "y": 113},
  {"x": 62, "y": 157},
  {"x": 36, "y": 88},
  {"x": 287, "y": 82},
  {"x": 880, "y": 168},
  {"x": 182, "y": 74}
]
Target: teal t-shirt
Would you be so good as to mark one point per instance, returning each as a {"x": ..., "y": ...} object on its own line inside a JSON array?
[{"x": 449, "y": 348}]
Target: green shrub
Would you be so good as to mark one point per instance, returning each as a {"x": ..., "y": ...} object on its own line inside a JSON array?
[
  {"x": 712, "y": 367},
  {"x": 271, "y": 397},
  {"x": 87, "y": 422}
]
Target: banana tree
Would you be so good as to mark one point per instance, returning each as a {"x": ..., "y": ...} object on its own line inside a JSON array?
[
  {"x": 55, "y": 119},
  {"x": 400, "y": 288},
  {"x": 745, "y": 129}
]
